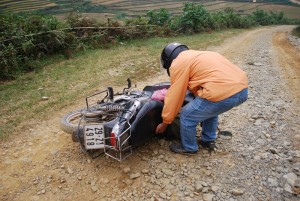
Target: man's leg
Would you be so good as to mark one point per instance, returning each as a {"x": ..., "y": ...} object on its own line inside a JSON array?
[
  {"x": 190, "y": 116},
  {"x": 209, "y": 127},
  {"x": 201, "y": 110}
]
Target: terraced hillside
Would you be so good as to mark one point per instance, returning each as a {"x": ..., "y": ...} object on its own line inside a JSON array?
[
  {"x": 24, "y": 5},
  {"x": 138, "y": 7},
  {"x": 129, "y": 8},
  {"x": 49, "y": 6}
]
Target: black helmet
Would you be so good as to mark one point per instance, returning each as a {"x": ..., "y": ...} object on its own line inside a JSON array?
[{"x": 169, "y": 53}]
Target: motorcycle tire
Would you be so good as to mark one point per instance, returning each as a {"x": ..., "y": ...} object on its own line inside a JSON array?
[{"x": 69, "y": 123}]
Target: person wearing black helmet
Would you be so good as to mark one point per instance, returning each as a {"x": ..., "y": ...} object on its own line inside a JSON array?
[{"x": 218, "y": 86}]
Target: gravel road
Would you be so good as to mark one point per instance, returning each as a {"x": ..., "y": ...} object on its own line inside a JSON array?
[{"x": 260, "y": 162}]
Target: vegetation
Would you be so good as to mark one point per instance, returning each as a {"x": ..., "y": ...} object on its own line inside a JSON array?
[
  {"x": 296, "y": 32},
  {"x": 27, "y": 39},
  {"x": 67, "y": 82}
]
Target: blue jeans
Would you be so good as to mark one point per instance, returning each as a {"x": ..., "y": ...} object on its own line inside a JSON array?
[{"x": 201, "y": 110}]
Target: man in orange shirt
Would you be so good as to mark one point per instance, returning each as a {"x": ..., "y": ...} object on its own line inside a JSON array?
[{"x": 217, "y": 84}]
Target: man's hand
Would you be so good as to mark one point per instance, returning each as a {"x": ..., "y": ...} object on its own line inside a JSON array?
[{"x": 161, "y": 128}]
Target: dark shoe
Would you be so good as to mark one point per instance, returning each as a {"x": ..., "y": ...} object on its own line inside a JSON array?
[
  {"x": 178, "y": 148},
  {"x": 210, "y": 145}
]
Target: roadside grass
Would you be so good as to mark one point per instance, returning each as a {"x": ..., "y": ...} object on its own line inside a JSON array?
[{"x": 65, "y": 82}]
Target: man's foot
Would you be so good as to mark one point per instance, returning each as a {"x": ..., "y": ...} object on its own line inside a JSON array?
[
  {"x": 210, "y": 145},
  {"x": 178, "y": 148}
]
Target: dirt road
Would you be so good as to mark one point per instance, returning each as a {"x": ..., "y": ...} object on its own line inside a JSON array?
[{"x": 261, "y": 162}]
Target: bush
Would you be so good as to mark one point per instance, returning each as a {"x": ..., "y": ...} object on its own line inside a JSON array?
[
  {"x": 296, "y": 31},
  {"x": 195, "y": 18},
  {"x": 261, "y": 17},
  {"x": 8, "y": 62},
  {"x": 26, "y": 38},
  {"x": 162, "y": 17}
]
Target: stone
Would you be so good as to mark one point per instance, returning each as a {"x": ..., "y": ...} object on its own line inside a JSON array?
[
  {"x": 273, "y": 150},
  {"x": 215, "y": 188},
  {"x": 208, "y": 197},
  {"x": 237, "y": 191},
  {"x": 135, "y": 175},
  {"x": 198, "y": 187},
  {"x": 69, "y": 170},
  {"x": 167, "y": 171},
  {"x": 272, "y": 182},
  {"x": 163, "y": 195},
  {"x": 290, "y": 178},
  {"x": 44, "y": 98},
  {"x": 94, "y": 188},
  {"x": 145, "y": 171},
  {"x": 126, "y": 170}
]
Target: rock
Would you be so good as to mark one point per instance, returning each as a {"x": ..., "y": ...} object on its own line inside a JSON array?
[
  {"x": 69, "y": 170},
  {"x": 163, "y": 195},
  {"x": 198, "y": 187},
  {"x": 273, "y": 150},
  {"x": 208, "y": 197},
  {"x": 272, "y": 182},
  {"x": 237, "y": 191},
  {"x": 296, "y": 168},
  {"x": 287, "y": 188},
  {"x": 145, "y": 171},
  {"x": 290, "y": 178},
  {"x": 215, "y": 188},
  {"x": 94, "y": 188},
  {"x": 126, "y": 170},
  {"x": 62, "y": 180},
  {"x": 257, "y": 64},
  {"x": 44, "y": 98},
  {"x": 135, "y": 176},
  {"x": 205, "y": 190},
  {"x": 167, "y": 171}
]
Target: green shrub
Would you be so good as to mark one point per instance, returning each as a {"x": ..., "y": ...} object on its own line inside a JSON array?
[
  {"x": 8, "y": 61},
  {"x": 24, "y": 39},
  {"x": 27, "y": 37},
  {"x": 195, "y": 18},
  {"x": 219, "y": 21},
  {"x": 162, "y": 17},
  {"x": 296, "y": 31}
]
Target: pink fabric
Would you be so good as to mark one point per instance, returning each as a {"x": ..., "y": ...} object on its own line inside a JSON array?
[{"x": 159, "y": 95}]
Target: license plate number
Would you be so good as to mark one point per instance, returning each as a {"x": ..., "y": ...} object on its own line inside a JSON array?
[{"x": 93, "y": 136}]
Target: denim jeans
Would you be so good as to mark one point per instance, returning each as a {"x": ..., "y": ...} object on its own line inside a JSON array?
[{"x": 201, "y": 110}]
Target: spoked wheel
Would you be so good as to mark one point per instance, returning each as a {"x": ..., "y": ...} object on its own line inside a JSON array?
[
  {"x": 73, "y": 122},
  {"x": 69, "y": 123}
]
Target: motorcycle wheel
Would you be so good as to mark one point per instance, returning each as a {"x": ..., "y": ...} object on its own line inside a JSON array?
[{"x": 70, "y": 122}]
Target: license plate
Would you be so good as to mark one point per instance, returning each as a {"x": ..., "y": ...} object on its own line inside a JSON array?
[{"x": 93, "y": 136}]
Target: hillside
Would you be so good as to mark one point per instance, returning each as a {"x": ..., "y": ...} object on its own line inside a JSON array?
[
  {"x": 260, "y": 162},
  {"x": 130, "y": 8}
]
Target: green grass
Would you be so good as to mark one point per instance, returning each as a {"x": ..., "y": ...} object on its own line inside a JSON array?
[{"x": 68, "y": 81}]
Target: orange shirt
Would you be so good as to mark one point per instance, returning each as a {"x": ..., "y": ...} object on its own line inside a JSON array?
[{"x": 207, "y": 74}]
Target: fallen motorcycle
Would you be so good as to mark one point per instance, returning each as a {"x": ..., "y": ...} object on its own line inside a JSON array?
[{"x": 118, "y": 122}]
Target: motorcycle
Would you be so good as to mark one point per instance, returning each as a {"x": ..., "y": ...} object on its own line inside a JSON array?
[{"x": 119, "y": 122}]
